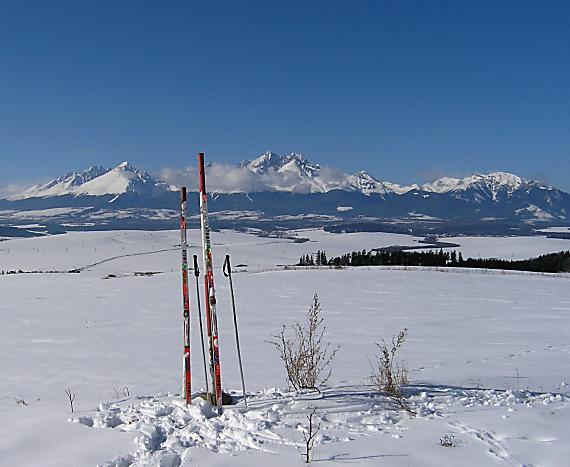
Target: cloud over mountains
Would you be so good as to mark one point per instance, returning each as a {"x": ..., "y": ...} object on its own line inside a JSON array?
[{"x": 270, "y": 172}]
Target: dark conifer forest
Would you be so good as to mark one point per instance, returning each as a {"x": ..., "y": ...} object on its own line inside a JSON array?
[{"x": 553, "y": 262}]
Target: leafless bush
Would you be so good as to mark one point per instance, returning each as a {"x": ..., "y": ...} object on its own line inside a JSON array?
[
  {"x": 389, "y": 373},
  {"x": 71, "y": 397},
  {"x": 307, "y": 357},
  {"x": 309, "y": 436}
]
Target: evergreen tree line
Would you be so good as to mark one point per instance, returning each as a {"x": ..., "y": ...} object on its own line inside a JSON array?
[
  {"x": 320, "y": 259},
  {"x": 553, "y": 262}
]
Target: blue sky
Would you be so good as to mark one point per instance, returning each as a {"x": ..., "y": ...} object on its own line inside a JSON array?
[{"x": 408, "y": 90}]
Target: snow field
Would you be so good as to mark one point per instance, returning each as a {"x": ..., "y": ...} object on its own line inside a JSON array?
[
  {"x": 487, "y": 354},
  {"x": 78, "y": 249},
  {"x": 170, "y": 432}
]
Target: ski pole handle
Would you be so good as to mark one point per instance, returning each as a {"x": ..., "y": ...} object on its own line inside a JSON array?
[
  {"x": 196, "y": 270},
  {"x": 227, "y": 267}
]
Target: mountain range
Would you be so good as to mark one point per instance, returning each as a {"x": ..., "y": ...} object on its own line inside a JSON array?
[{"x": 273, "y": 191}]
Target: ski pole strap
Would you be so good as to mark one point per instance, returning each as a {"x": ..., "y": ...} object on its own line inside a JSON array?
[
  {"x": 227, "y": 267},
  {"x": 196, "y": 270}
]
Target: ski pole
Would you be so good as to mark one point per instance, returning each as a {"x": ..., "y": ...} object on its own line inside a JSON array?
[
  {"x": 228, "y": 273},
  {"x": 210, "y": 291},
  {"x": 196, "y": 275},
  {"x": 187, "y": 385}
]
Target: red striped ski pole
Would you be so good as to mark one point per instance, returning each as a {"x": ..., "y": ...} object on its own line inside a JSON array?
[
  {"x": 185, "y": 298},
  {"x": 210, "y": 293}
]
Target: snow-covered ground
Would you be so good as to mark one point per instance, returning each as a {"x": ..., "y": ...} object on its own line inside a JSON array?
[
  {"x": 488, "y": 355},
  {"x": 556, "y": 229},
  {"x": 508, "y": 247}
]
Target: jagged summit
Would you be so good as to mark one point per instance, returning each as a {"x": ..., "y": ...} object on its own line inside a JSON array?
[
  {"x": 98, "y": 181},
  {"x": 62, "y": 185},
  {"x": 367, "y": 184},
  {"x": 279, "y": 163},
  {"x": 493, "y": 186},
  {"x": 298, "y": 174},
  {"x": 122, "y": 179},
  {"x": 493, "y": 180},
  {"x": 310, "y": 177}
]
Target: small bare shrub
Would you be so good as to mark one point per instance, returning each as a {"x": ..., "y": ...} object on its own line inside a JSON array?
[
  {"x": 309, "y": 436},
  {"x": 71, "y": 397},
  {"x": 390, "y": 374},
  {"x": 307, "y": 357}
]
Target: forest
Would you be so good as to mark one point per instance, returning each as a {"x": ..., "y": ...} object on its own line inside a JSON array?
[{"x": 552, "y": 262}]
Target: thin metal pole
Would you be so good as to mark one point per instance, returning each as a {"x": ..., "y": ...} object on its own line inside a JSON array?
[
  {"x": 228, "y": 273},
  {"x": 196, "y": 275}
]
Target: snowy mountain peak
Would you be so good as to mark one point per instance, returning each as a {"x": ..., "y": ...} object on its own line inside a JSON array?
[
  {"x": 505, "y": 179},
  {"x": 98, "y": 181},
  {"x": 62, "y": 185},
  {"x": 480, "y": 186},
  {"x": 263, "y": 163},
  {"x": 288, "y": 162},
  {"x": 367, "y": 184},
  {"x": 494, "y": 181},
  {"x": 364, "y": 175},
  {"x": 122, "y": 179},
  {"x": 400, "y": 189},
  {"x": 294, "y": 172},
  {"x": 299, "y": 164}
]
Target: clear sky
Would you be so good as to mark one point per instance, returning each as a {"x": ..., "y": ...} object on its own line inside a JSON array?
[{"x": 407, "y": 90}]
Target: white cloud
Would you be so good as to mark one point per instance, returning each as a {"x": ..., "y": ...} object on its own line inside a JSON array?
[
  {"x": 232, "y": 179},
  {"x": 332, "y": 177},
  {"x": 12, "y": 189}
]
